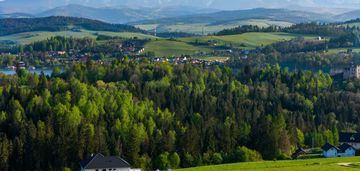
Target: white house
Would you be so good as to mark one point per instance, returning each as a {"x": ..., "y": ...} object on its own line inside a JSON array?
[
  {"x": 352, "y": 139},
  {"x": 346, "y": 150},
  {"x": 329, "y": 151},
  {"x": 101, "y": 163}
]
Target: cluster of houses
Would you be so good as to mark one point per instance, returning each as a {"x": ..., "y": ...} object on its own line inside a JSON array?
[
  {"x": 188, "y": 60},
  {"x": 129, "y": 47},
  {"x": 349, "y": 145}
]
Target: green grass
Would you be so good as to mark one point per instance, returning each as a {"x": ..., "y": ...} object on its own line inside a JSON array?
[
  {"x": 247, "y": 40},
  {"x": 338, "y": 50},
  {"x": 213, "y": 58},
  {"x": 197, "y": 28},
  {"x": 29, "y": 37},
  {"x": 185, "y": 46},
  {"x": 293, "y": 165},
  {"x": 170, "y": 48}
]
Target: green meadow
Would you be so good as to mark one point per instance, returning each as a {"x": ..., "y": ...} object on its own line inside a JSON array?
[
  {"x": 187, "y": 46},
  {"x": 321, "y": 164},
  {"x": 29, "y": 37},
  {"x": 338, "y": 50},
  {"x": 170, "y": 48},
  {"x": 247, "y": 40}
]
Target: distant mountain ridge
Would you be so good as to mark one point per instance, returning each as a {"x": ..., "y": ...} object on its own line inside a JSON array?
[
  {"x": 18, "y": 25},
  {"x": 257, "y": 13},
  {"x": 16, "y": 15},
  {"x": 122, "y": 14},
  {"x": 348, "y": 16},
  {"x": 185, "y": 14}
]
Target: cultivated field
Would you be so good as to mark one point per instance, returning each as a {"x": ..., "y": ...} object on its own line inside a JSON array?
[{"x": 333, "y": 164}]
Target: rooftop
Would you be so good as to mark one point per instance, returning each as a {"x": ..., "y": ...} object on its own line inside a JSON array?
[
  {"x": 349, "y": 137},
  {"x": 100, "y": 161}
]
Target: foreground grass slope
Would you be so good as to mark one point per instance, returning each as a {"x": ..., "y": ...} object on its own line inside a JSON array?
[{"x": 346, "y": 163}]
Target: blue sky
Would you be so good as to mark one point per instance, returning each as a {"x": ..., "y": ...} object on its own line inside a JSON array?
[{"x": 218, "y": 4}]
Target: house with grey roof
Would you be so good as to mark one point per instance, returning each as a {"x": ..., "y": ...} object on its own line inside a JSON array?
[
  {"x": 100, "y": 162},
  {"x": 344, "y": 150},
  {"x": 329, "y": 150},
  {"x": 352, "y": 139}
]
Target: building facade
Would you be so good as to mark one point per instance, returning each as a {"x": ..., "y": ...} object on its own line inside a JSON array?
[
  {"x": 329, "y": 151},
  {"x": 352, "y": 72}
]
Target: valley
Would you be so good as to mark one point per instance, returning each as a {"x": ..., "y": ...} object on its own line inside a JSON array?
[{"x": 179, "y": 85}]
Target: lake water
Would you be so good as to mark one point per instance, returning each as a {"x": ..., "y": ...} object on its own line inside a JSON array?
[{"x": 47, "y": 72}]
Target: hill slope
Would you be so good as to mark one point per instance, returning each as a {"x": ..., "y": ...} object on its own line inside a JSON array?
[
  {"x": 348, "y": 15},
  {"x": 214, "y": 22},
  {"x": 19, "y": 25},
  {"x": 122, "y": 14},
  {"x": 257, "y": 13},
  {"x": 16, "y": 15}
]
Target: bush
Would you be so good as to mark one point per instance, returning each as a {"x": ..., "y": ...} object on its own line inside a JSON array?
[
  {"x": 216, "y": 158},
  {"x": 243, "y": 154},
  {"x": 174, "y": 160}
]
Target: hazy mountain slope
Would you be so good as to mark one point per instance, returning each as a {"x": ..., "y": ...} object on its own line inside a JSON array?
[
  {"x": 19, "y": 25},
  {"x": 121, "y": 15},
  {"x": 258, "y": 13},
  {"x": 16, "y": 15},
  {"x": 348, "y": 16}
]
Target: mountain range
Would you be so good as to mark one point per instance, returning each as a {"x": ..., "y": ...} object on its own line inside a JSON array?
[
  {"x": 347, "y": 16},
  {"x": 257, "y": 13},
  {"x": 186, "y": 14},
  {"x": 119, "y": 15}
]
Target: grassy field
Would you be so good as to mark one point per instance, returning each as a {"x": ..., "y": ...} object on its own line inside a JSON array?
[
  {"x": 345, "y": 163},
  {"x": 170, "y": 48},
  {"x": 186, "y": 45},
  {"x": 338, "y": 50},
  {"x": 29, "y": 37},
  {"x": 213, "y": 58},
  {"x": 247, "y": 40},
  {"x": 197, "y": 28}
]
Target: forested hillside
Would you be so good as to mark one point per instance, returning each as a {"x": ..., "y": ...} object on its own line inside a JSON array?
[
  {"x": 19, "y": 25},
  {"x": 169, "y": 116}
]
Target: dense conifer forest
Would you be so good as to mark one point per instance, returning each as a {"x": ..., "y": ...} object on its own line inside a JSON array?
[{"x": 169, "y": 116}]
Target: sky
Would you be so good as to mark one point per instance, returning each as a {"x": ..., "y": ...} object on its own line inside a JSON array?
[{"x": 31, "y": 5}]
